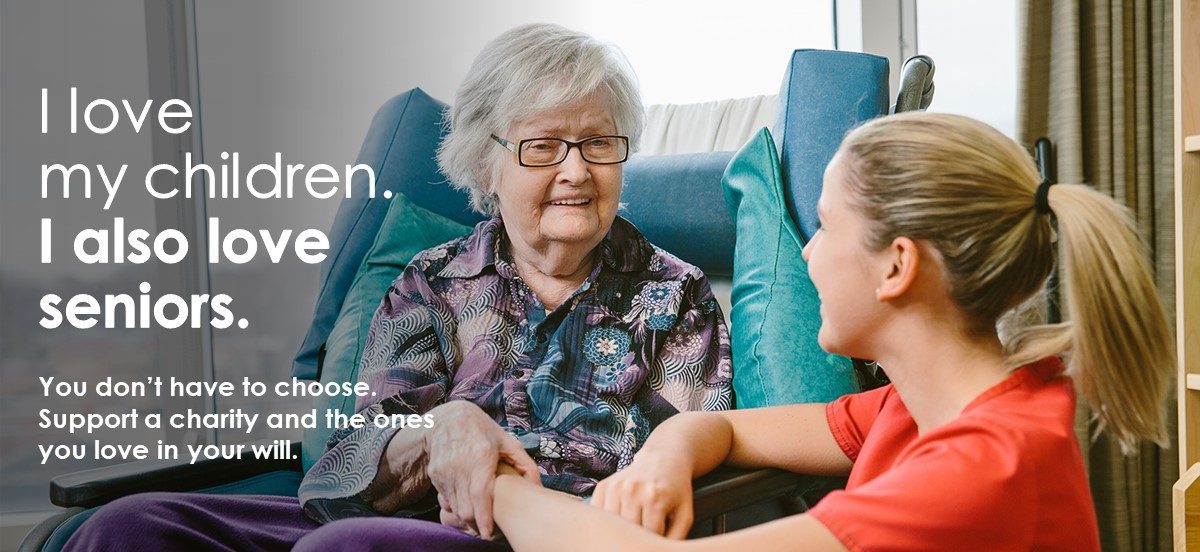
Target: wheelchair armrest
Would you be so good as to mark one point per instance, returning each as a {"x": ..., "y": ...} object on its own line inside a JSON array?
[
  {"x": 726, "y": 489},
  {"x": 35, "y": 539},
  {"x": 101, "y": 485}
]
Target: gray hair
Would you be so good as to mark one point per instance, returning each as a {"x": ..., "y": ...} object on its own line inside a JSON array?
[{"x": 527, "y": 70}]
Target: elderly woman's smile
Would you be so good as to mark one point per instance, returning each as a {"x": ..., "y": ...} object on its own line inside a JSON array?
[{"x": 569, "y": 205}]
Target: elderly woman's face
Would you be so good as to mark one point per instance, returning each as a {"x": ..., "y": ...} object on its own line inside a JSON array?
[{"x": 573, "y": 202}]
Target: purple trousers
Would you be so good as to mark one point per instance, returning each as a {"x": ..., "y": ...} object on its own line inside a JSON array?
[{"x": 177, "y": 521}]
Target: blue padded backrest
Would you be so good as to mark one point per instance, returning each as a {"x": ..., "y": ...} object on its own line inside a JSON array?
[
  {"x": 399, "y": 147},
  {"x": 824, "y": 95},
  {"x": 676, "y": 201}
]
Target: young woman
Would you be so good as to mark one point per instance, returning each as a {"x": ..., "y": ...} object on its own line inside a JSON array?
[{"x": 933, "y": 227}]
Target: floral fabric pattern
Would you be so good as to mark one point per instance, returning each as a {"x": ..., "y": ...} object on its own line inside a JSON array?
[
  {"x": 605, "y": 345},
  {"x": 581, "y": 386}
]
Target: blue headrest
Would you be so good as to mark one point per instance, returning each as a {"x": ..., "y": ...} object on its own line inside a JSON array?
[
  {"x": 824, "y": 95},
  {"x": 676, "y": 201}
]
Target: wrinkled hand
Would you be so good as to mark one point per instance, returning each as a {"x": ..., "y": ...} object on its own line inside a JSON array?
[
  {"x": 464, "y": 449},
  {"x": 653, "y": 492},
  {"x": 450, "y": 520}
]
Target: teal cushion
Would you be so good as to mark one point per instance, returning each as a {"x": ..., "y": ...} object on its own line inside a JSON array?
[
  {"x": 406, "y": 230},
  {"x": 776, "y": 312}
]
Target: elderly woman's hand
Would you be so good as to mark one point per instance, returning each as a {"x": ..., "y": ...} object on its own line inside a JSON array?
[
  {"x": 654, "y": 491},
  {"x": 463, "y": 450}
]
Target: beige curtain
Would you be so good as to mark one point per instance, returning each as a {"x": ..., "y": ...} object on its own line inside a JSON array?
[{"x": 1096, "y": 80}]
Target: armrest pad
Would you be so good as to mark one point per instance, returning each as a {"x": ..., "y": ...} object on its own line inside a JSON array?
[
  {"x": 101, "y": 485},
  {"x": 726, "y": 488}
]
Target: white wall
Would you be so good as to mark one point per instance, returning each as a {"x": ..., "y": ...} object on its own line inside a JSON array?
[{"x": 305, "y": 78}]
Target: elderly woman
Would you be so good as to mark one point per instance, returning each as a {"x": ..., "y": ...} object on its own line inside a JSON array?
[{"x": 553, "y": 337}]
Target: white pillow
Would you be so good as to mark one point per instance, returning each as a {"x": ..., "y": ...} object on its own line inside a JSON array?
[{"x": 722, "y": 125}]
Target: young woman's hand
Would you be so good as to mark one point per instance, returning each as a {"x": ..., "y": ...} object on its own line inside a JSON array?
[{"x": 655, "y": 491}]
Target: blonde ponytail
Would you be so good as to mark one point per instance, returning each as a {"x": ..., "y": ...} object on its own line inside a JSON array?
[
  {"x": 969, "y": 191},
  {"x": 1118, "y": 343}
]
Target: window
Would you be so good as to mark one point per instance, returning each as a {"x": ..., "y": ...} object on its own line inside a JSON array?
[
  {"x": 974, "y": 46},
  {"x": 703, "y": 50},
  {"x": 100, "y": 50}
]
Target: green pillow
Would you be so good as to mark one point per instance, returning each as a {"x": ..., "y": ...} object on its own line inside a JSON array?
[
  {"x": 776, "y": 312},
  {"x": 407, "y": 229}
]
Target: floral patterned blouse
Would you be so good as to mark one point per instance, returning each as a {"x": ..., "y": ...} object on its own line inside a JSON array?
[{"x": 581, "y": 386}]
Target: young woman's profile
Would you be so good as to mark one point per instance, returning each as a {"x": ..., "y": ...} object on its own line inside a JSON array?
[{"x": 933, "y": 228}]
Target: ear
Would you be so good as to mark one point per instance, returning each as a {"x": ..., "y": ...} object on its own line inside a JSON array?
[
  {"x": 902, "y": 263},
  {"x": 487, "y": 180},
  {"x": 490, "y": 174}
]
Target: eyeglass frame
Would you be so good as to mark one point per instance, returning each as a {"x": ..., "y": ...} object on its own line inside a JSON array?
[{"x": 516, "y": 149}]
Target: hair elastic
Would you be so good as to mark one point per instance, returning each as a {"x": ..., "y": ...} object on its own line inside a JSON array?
[{"x": 1041, "y": 200}]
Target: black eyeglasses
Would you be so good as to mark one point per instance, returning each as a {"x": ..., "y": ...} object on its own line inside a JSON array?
[{"x": 547, "y": 152}]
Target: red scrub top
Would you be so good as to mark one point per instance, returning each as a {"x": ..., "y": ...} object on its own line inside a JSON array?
[{"x": 1005, "y": 475}]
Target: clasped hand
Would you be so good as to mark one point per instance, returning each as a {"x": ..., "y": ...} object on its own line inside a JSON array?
[
  {"x": 654, "y": 491},
  {"x": 463, "y": 450},
  {"x": 467, "y": 449}
]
